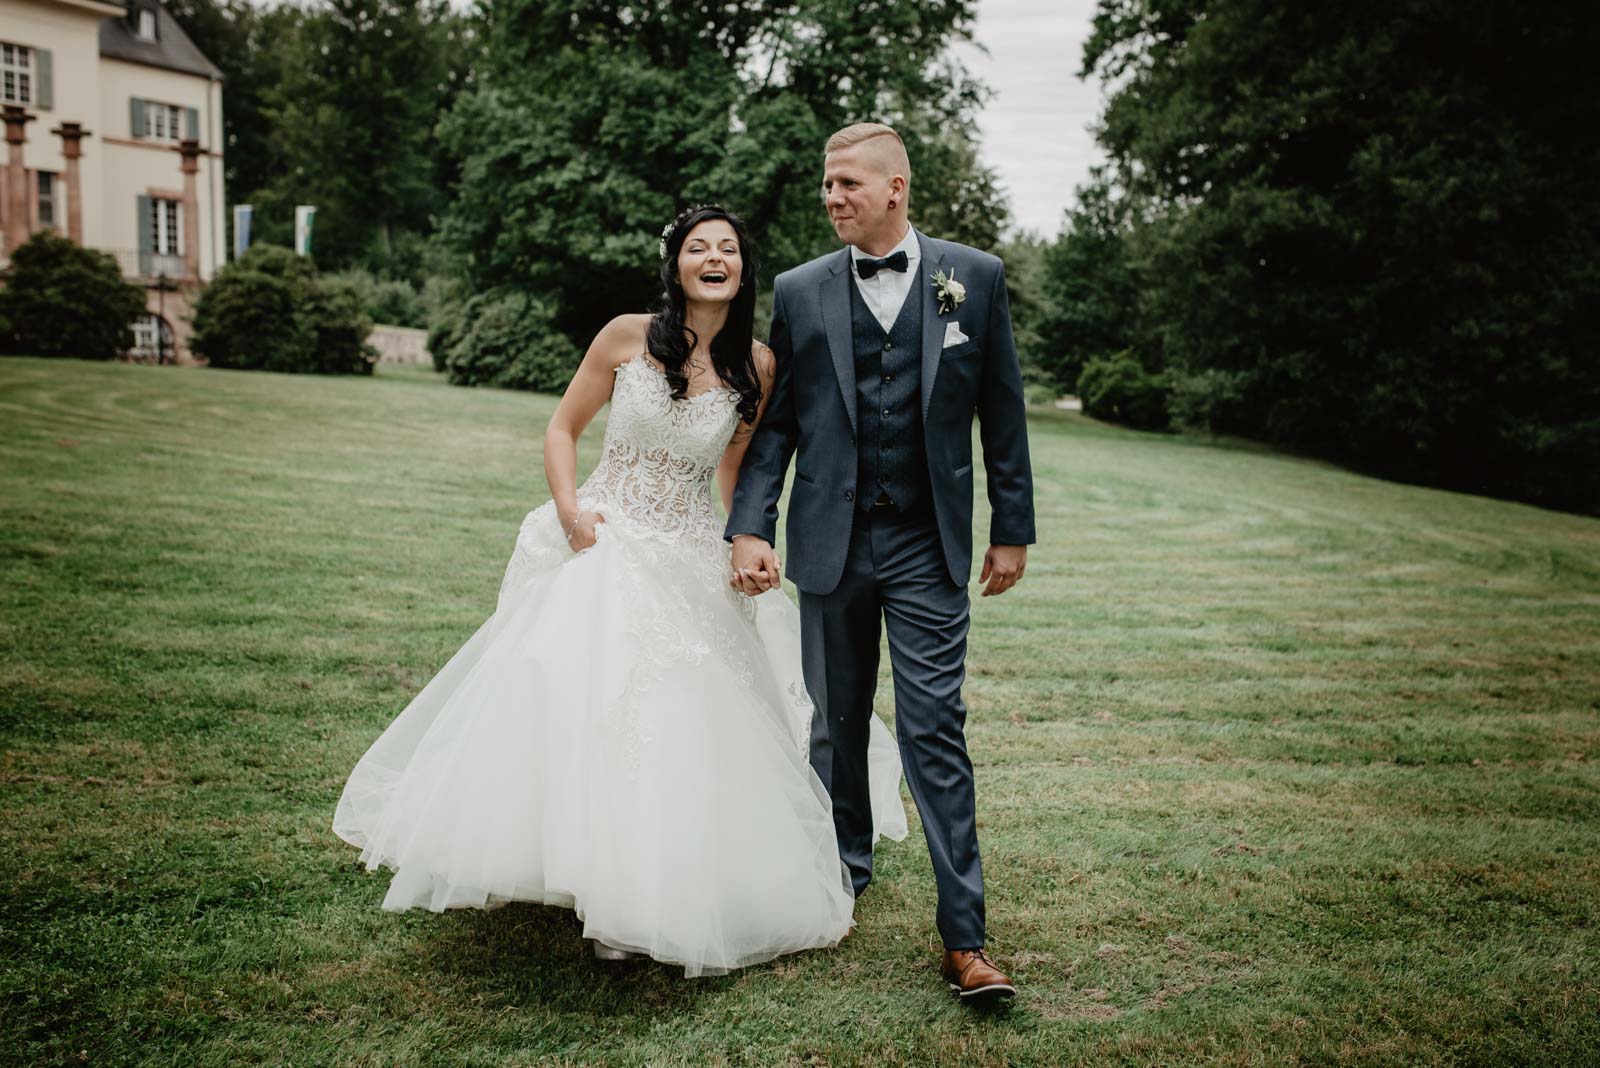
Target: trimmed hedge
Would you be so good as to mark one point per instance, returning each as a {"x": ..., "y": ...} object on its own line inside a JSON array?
[
  {"x": 270, "y": 311},
  {"x": 65, "y": 300},
  {"x": 502, "y": 338},
  {"x": 1119, "y": 390}
]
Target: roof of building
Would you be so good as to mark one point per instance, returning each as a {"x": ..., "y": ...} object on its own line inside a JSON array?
[{"x": 171, "y": 49}]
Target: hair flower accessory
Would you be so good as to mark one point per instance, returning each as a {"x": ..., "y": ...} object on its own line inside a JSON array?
[
  {"x": 951, "y": 293},
  {"x": 677, "y": 220}
]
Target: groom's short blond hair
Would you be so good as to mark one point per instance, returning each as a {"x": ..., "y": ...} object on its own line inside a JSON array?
[{"x": 893, "y": 148}]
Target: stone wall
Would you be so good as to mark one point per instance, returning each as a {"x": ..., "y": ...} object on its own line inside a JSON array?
[{"x": 400, "y": 344}]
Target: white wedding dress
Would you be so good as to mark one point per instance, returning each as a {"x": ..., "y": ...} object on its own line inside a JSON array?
[{"x": 626, "y": 735}]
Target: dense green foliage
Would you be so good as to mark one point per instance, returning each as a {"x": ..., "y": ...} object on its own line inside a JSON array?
[
  {"x": 271, "y": 311},
  {"x": 253, "y": 45},
  {"x": 538, "y": 148},
  {"x": 334, "y": 105},
  {"x": 1088, "y": 290},
  {"x": 393, "y": 301},
  {"x": 592, "y": 123},
  {"x": 1364, "y": 230},
  {"x": 65, "y": 300},
  {"x": 353, "y": 119},
  {"x": 504, "y": 338},
  {"x": 1276, "y": 764},
  {"x": 1117, "y": 388}
]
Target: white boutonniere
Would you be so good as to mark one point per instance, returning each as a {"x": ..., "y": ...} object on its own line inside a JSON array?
[{"x": 951, "y": 293}]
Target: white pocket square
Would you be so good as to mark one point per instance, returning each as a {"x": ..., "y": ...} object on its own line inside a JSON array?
[{"x": 953, "y": 335}]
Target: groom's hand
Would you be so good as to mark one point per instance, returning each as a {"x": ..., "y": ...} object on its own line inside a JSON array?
[
  {"x": 1002, "y": 568},
  {"x": 755, "y": 565}
]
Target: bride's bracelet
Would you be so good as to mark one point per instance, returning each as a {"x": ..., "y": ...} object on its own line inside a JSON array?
[{"x": 574, "y": 527}]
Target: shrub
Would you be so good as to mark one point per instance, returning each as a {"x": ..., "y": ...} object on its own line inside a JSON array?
[
  {"x": 332, "y": 320},
  {"x": 245, "y": 319},
  {"x": 1209, "y": 400},
  {"x": 396, "y": 303},
  {"x": 362, "y": 281},
  {"x": 271, "y": 311},
  {"x": 443, "y": 302},
  {"x": 278, "y": 262},
  {"x": 507, "y": 339},
  {"x": 65, "y": 300},
  {"x": 1117, "y": 389},
  {"x": 447, "y": 308},
  {"x": 391, "y": 301}
]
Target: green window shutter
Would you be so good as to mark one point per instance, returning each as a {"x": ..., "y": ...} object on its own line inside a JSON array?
[
  {"x": 191, "y": 123},
  {"x": 136, "y": 118},
  {"x": 44, "y": 96},
  {"x": 147, "y": 237}
]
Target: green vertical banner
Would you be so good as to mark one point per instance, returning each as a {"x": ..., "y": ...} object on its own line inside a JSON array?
[{"x": 303, "y": 216}]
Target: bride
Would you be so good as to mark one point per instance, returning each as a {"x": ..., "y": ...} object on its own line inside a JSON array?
[{"x": 626, "y": 735}]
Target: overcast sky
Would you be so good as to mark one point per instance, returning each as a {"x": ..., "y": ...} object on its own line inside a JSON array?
[{"x": 1035, "y": 132}]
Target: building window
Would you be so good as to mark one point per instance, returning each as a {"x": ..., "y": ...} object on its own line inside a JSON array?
[
  {"x": 49, "y": 190},
  {"x": 16, "y": 74},
  {"x": 162, "y": 121},
  {"x": 164, "y": 239},
  {"x": 147, "y": 24},
  {"x": 164, "y": 227}
]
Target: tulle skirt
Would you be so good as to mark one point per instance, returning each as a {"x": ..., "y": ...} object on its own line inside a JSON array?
[{"x": 625, "y": 738}]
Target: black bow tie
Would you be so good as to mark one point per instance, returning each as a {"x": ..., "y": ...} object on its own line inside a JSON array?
[{"x": 866, "y": 267}]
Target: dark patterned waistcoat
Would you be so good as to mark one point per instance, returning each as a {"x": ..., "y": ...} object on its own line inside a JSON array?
[{"x": 891, "y": 460}]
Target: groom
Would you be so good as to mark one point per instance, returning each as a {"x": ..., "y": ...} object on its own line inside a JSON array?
[{"x": 885, "y": 350}]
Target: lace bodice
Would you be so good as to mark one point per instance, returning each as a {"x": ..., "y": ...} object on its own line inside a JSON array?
[
  {"x": 653, "y": 484},
  {"x": 660, "y": 453}
]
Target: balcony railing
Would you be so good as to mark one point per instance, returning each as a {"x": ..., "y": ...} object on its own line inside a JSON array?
[{"x": 148, "y": 266}]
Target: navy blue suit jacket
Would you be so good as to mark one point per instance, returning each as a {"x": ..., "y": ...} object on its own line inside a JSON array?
[{"x": 811, "y": 415}]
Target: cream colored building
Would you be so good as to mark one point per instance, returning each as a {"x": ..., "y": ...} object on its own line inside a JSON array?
[{"x": 114, "y": 137}]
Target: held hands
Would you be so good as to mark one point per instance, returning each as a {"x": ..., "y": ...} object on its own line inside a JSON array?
[
  {"x": 580, "y": 529},
  {"x": 755, "y": 566},
  {"x": 1002, "y": 568}
]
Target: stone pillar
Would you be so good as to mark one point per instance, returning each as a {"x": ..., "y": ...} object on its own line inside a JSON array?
[
  {"x": 189, "y": 148},
  {"x": 71, "y": 134},
  {"x": 16, "y": 119}
]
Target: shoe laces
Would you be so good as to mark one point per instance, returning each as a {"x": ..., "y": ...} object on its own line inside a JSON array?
[{"x": 977, "y": 955}]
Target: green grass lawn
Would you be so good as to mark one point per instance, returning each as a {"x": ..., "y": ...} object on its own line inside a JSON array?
[{"x": 1277, "y": 764}]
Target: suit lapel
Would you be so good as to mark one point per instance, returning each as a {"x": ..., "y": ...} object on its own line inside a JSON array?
[
  {"x": 835, "y": 302},
  {"x": 932, "y": 325}
]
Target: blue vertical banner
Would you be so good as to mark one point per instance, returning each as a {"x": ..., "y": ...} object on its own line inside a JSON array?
[
  {"x": 303, "y": 215},
  {"x": 241, "y": 228}
]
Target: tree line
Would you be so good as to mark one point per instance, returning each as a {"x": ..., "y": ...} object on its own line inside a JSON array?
[
  {"x": 515, "y": 163},
  {"x": 1364, "y": 231},
  {"x": 1368, "y": 231}
]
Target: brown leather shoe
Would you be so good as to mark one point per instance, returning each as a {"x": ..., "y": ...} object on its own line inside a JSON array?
[{"x": 973, "y": 976}]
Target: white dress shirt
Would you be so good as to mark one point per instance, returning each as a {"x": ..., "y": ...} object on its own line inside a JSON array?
[{"x": 886, "y": 291}]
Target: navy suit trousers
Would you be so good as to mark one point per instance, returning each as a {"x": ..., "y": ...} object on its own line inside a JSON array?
[{"x": 895, "y": 572}]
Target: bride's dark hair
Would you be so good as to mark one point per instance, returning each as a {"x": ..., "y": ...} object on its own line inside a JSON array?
[{"x": 670, "y": 340}]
